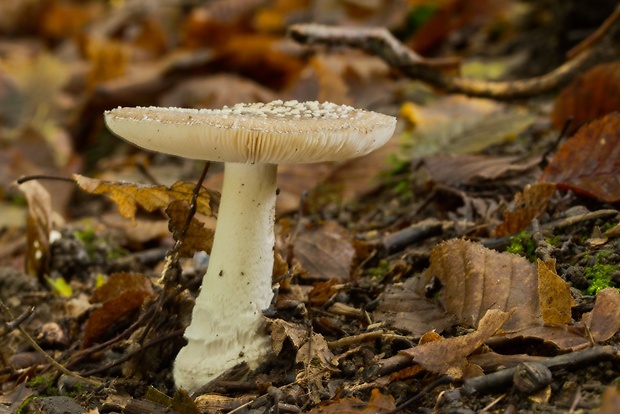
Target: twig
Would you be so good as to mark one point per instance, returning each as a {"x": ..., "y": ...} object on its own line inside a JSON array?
[
  {"x": 47, "y": 357},
  {"x": 486, "y": 383},
  {"x": 27, "y": 178},
  {"x": 355, "y": 339},
  {"x": 127, "y": 357},
  {"x": 596, "y": 36},
  {"x": 11, "y": 326},
  {"x": 440, "y": 381},
  {"x": 380, "y": 42}
]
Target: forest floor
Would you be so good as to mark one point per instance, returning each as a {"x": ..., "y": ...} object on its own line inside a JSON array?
[{"x": 471, "y": 265}]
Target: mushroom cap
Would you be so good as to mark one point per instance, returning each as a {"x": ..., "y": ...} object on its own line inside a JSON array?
[{"x": 275, "y": 133}]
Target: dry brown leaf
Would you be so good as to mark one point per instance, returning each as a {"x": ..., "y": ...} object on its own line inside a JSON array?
[
  {"x": 196, "y": 238},
  {"x": 604, "y": 320},
  {"x": 527, "y": 206},
  {"x": 590, "y": 96},
  {"x": 476, "y": 279},
  {"x": 457, "y": 170},
  {"x": 554, "y": 295},
  {"x": 325, "y": 251},
  {"x": 322, "y": 291},
  {"x": 563, "y": 337},
  {"x": 377, "y": 404},
  {"x": 332, "y": 87},
  {"x": 128, "y": 196},
  {"x": 184, "y": 191},
  {"x": 216, "y": 91},
  {"x": 589, "y": 162},
  {"x": 67, "y": 19},
  {"x": 38, "y": 227},
  {"x": 610, "y": 400},
  {"x": 120, "y": 296},
  {"x": 259, "y": 57},
  {"x": 461, "y": 125},
  {"x": 316, "y": 358},
  {"x": 449, "y": 356},
  {"x": 282, "y": 330},
  {"x": 108, "y": 60},
  {"x": 402, "y": 308}
]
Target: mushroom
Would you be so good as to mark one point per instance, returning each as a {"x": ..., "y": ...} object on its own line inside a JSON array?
[{"x": 227, "y": 325}]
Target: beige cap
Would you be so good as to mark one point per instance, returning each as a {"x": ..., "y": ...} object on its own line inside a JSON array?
[{"x": 275, "y": 133}]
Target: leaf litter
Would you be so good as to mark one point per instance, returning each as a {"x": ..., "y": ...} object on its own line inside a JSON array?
[{"x": 346, "y": 305}]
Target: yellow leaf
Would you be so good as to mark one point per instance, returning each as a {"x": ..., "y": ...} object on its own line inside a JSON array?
[
  {"x": 127, "y": 196},
  {"x": 554, "y": 295},
  {"x": 60, "y": 286}
]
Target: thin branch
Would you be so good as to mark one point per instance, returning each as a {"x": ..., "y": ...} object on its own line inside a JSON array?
[
  {"x": 15, "y": 323},
  {"x": 45, "y": 355},
  {"x": 602, "y": 46}
]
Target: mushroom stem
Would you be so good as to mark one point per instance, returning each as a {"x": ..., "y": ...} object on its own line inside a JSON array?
[{"x": 238, "y": 280}]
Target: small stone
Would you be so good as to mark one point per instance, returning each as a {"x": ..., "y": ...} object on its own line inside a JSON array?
[{"x": 530, "y": 377}]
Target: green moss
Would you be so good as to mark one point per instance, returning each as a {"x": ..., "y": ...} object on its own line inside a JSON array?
[
  {"x": 599, "y": 276},
  {"x": 554, "y": 241},
  {"x": 523, "y": 244},
  {"x": 45, "y": 385},
  {"x": 608, "y": 226},
  {"x": 381, "y": 270}
]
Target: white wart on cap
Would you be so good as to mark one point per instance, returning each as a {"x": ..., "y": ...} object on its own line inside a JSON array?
[{"x": 227, "y": 325}]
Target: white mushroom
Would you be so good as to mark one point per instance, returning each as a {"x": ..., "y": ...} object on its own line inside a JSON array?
[{"x": 252, "y": 139}]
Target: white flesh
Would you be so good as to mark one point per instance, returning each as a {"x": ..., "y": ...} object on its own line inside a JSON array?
[{"x": 227, "y": 324}]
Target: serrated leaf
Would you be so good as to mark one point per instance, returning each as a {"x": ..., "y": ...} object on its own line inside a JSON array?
[
  {"x": 476, "y": 279},
  {"x": 127, "y": 196}
]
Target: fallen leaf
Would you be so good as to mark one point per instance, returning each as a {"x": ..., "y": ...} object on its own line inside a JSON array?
[
  {"x": 461, "y": 125},
  {"x": 196, "y": 238},
  {"x": 123, "y": 294},
  {"x": 476, "y": 279},
  {"x": 590, "y": 96},
  {"x": 449, "y": 356},
  {"x": 378, "y": 404},
  {"x": 604, "y": 319},
  {"x": 316, "y": 358},
  {"x": 456, "y": 170},
  {"x": 129, "y": 196},
  {"x": 589, "y": 162},
  {"x": 215, "y": 91},
  {"x": 554, "y": 295},
  {"x": 610, "y": 401},
  {"x": 39, "y": 224},
  {"x": 325, "y": 251},
  {"x": 323, "y": 291},
  {"x": 282, "y": 331},
  {"x": 403, "y": 308},
  {"x": 528, "y": 205},
  {"x": 564, "y": 338}
]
